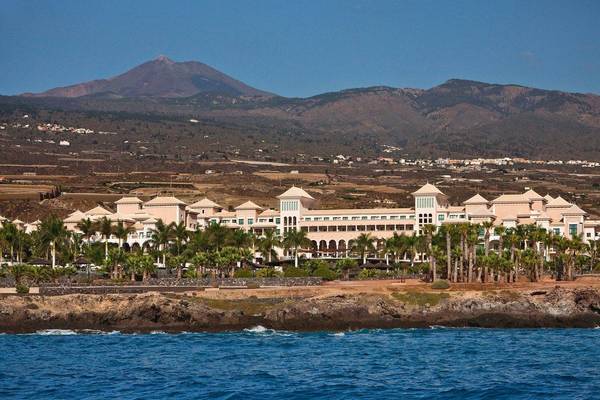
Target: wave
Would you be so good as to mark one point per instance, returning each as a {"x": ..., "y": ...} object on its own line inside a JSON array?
[
  {"x": 338, "y": 334},
  {"x": 261, "y": 330},
  {"x": 56, "y": 332}
]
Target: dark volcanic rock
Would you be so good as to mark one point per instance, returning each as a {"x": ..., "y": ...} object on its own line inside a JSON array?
[{"x": 152, "y": 311}]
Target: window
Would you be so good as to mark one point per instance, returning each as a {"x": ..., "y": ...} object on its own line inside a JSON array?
[
  {"x": 277, "y": 221},
  {"x": 325, "y": 218},
  {"x": 363, "y": 217},
  {"x": 240, "y": 221},
  {"x": 307, "y": 218},
  {"x": 573, "y": 229},
  {"x": 250, "y": 221},
  {"x": 441, "y": 217},
  {"x": 556, "y": 231}
]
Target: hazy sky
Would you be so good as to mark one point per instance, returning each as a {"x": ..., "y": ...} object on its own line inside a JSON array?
[{"x": 302, "y": 48}]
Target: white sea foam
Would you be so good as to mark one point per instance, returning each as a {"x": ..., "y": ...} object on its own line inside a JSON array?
[
  {"x": 258, "y": 329},
  {"x": 56, "y": 332},
  {"x": 158, "y": 333},
  {"x": 338, "y": 334}
]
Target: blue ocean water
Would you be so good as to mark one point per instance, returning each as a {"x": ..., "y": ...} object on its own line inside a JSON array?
[{"x": 262, "y": 364}]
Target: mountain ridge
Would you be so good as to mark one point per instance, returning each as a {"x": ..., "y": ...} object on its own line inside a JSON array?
[{"x": 160, "y": 77}]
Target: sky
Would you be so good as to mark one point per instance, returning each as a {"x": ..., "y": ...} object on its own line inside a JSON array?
[{"x": 306, "y": 47}]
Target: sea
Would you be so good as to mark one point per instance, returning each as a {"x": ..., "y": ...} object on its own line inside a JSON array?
[{"x": 259, "y": 363}]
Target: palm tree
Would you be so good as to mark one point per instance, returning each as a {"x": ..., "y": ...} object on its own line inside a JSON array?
[
  {"x": 160, "y": 236},
  {"x": 122, "y": 231},
  {"x": 428, "y": 230},
  {"x": 295, "y": 239},
  {"x": 116, "y": 259},
  {"x": 218, "y": 235},
  {"x": 394, "y": 246},
  {"x": 268, "y": 243},
  {"x": 499, "y": 231},
  {"x": 487, "y": 226},
  {"x": 146, "y": 266},
  {"x": 52, "y": 231},
  {"x": 180, "y": 236},
  {"x": 447, "y": 230},
  {"x": 411, "y": 244},
  {"x": 87, "y": 228},
  {"x": 106, "y": 229},
  {"x": 10, "y": 232},
  {"x": 132, "y": 265},
  {"x": 200, "y": 260},
  {"x": 363, "y": 245}
]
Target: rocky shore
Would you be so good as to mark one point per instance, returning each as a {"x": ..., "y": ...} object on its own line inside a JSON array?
[{"x": 552, "y": 307}]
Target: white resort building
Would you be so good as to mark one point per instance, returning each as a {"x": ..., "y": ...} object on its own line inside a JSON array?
[{"x": 333, "y": 230}]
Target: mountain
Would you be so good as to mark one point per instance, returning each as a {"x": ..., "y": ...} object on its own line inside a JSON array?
[
  {"x": 454, "y": 119},
  {"x": 161, "y": 77}
]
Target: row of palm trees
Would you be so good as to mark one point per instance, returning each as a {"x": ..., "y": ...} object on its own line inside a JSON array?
[
  {"x": 458, "y": 252},
  {"x": 463, "y": 252}
]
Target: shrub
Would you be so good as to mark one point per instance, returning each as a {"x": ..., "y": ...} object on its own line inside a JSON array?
[
  {"x": 368, "y": 273},
  {"x": 440, "y": 284},
  {"x": 325, "y": 273},
  {"x": 243, "y": 273},
  {"x": 293, "y": 272},
  {"x": 22, "y": 289},
  {"x": 267, "y": 273}
]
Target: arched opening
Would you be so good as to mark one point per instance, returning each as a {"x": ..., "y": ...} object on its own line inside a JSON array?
[
  {"x": 135, "y": 247},
  {"x": 342, "y": 250},
  {"x": 322, "y": 247},
  {"x": 332, "y": 248},
  {"x": 126, "y": 247},
  {"x": 315, "y": 248}
]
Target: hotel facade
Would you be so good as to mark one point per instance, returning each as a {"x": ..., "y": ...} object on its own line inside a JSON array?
[{"x": 332, "y": 231}]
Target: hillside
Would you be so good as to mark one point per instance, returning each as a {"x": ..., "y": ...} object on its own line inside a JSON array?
[
  {"x": 161, "y": 77},
  {"x": 457, "y": 118}
]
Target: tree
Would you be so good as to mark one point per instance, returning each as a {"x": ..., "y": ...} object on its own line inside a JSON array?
[
  {"x": 146, "y": 266},
  {"x": 160, "y": 236},
  {"x": 106, "y": 229},
  {"x": 411, "y": 244},
  {"x": 487, "y": 226},
  {"x": 345, "y": 265},
  {"x": 268, "y": 243},
  {"x": 116, "y": 259},
  {"x": 218, "y": 235},
  {"x": 294, "y": 240},
  {"x": 200, "y": 261},
  {"x": 87, "y": 228},
  {"x": 180, "y": 236},
  {"x": 363, "y": 245},
  {"x": 428, "y": 230},
  {"x": 122, "y": 231},
  {"x": 52, "y": 231}
]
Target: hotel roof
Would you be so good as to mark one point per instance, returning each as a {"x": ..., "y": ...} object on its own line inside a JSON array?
[
  {"x": 205, "y": 203},
  {"x": 269, "y": 213},
  {"x": 165, "y": 201},
  {"x": 481, "y": 211},
  {"x": 511, "y": 198},
  {"x": 574, "y": 210},
  {"x": 533, "y": 195},
  {"x": 558, "y": 202},
  {"x": 249, "y": 205},
  {"x": 477, "y": 199},
  {"x": 128, "y": 200},
  {"x": 99, "y": 210},
  {"x": 295, "y": 192},
  {"x": 428, "y": 188},
  {"x": 77, "y": 216},
  {"x": 548, "y": 198}
]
